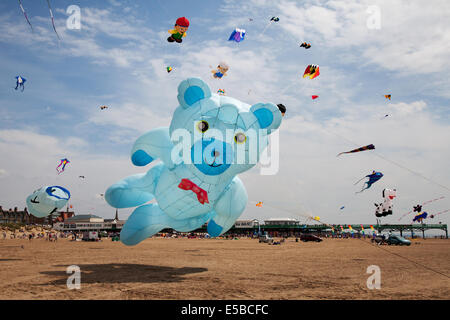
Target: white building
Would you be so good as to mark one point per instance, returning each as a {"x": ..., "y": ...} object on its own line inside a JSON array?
[
  {"x": 281, "y": 222},
  {"x": 246, "y": 223},
  {"x": 89, "y": 222}
]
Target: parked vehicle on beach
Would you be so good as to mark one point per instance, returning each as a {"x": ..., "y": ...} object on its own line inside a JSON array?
[
  {"x": 310, "y": 237},
  {"x": 398, "y": 241},
  {"x": 266, "y": 239},
  {"x": 379, "y": 239},
  {"x": 90, "y": 236}
]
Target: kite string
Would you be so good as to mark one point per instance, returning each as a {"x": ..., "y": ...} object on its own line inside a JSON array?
[{"x": 407, "y": 259}]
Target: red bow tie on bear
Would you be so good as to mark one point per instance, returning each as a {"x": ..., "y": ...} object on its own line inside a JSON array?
[{"x": 202, "y": 195}]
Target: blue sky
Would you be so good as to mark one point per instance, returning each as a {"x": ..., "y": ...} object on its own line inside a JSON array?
[{"x": 118, "y": 59}]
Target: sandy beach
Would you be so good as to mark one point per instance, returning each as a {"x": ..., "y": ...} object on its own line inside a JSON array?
[{"x": 184, "y": 268}]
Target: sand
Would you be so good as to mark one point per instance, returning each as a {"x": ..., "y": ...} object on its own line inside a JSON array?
[{"x": 183, "y": 268}]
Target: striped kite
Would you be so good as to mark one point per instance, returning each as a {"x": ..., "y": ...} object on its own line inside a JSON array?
[
  {"x": 237, "y": 35},
  {"x": 25, "y": 14},
  {"x": 53, "y": 20},
  {"x": 63, "y": 163},
  {"x": 311, "y": 71},
  {"x": 369, "y": 147}
]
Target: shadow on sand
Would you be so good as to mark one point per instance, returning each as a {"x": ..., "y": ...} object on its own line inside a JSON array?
[{"x": 123, "y": 273}]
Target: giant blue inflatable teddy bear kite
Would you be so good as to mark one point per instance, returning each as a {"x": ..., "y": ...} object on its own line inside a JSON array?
[{"x": 224, "y": 137}]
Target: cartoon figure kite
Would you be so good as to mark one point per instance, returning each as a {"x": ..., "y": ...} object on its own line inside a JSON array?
[
  {"x": 311, "y": 71},
  {"x": 20, "y": 82},
  {"x": 385, "y": 208},
  {"x": 63, "y": 163},
  {"x": 221, "y": 71},
  {"x": 387, "y": 96},
  {"x": 179, "y": 31},
  {"x": 418, "y": 207},
  {"x": 374, "y": 177},
  {"x": 237, "y": 35},
  {"x": 305, "y": 45},
  {"x": 420, "y": 216},
  {"x": 275, "y": 19},
  {"x": 369, "y": 147},
  {"x": 169, "y": 69}
]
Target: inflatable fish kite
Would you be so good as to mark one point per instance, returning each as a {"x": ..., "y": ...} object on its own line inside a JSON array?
[
  {"x": 369, "y": 147},
  {"x": 63, "y": 163},
  {"x": 20, "y": 83},
  {"x": 311, "y": 71},
  {"x": 47, "y": 200},
  {"x": 373, "y": 177},
  {"x": 305, "y": 45},
  {"x": 237, "y": 35}
]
